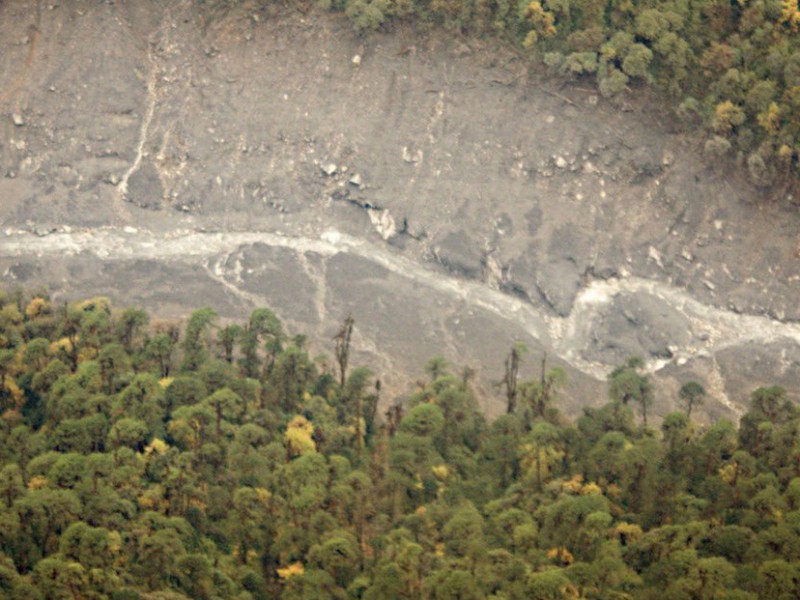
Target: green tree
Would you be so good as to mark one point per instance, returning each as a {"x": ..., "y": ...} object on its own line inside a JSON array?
[
  {"x": 511, "y": 375},
  {"x": 159, "y": 554},
  {"x": 424, "y": 420},
  {"x": 195, "y": 576},
  {"x": 184, "y": 390},
  {"x": 92, "y": 547},
  {"x": 454, "y": 584},
  {"x": 313, "y": 583},
  {"x": 463, "y": 533},
  {"x": 263, "y": 330},
  {"x": 436, "y": 367},
  {"x": 338, "y": 555},
  {"x": 342, "y": 340},
  {"x": 693, "y": 394},
  {"x": 159, "y": 349},
  {"x": 499, "y": 452},
  {"x": 541, "y": 451},
  {"x": 626, "y": 384},
  {"x": 129, "y": 326},
  {"x": 57, "y": 578},
  {"x": 227, "y": 338},
  {"x": 291, "y": 375},
  {"x": 195, "y": 350},
  {"x": 225, "y": 404},
  {"x": 540, "y": 395},
  {"x": 552, "y": 584},
  {"x": 127, "y": 433},
  {"x": 360, "y": 404},
  {"x": 779, "y": 580},
  {"x": 113, "y": 362},
  {"x": 43, "y": 515},
  {"x": 37, "y": 353}
]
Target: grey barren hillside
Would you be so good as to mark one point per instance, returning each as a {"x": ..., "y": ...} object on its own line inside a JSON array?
[{"x": 430, "y": 186}]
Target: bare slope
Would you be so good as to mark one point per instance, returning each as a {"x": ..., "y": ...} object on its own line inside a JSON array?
[{"x": 428, "y": 186}]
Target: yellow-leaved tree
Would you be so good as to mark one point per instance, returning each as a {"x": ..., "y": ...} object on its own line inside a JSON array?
[
  {"x": 298, "y": 437},
  {"x": 541, "y": 21}
]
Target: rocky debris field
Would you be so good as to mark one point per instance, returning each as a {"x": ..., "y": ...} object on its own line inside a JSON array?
[{"x": 432, "y": 187}]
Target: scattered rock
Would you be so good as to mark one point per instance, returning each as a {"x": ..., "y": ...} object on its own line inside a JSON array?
[
  {"x": 356, "y": 180},
  {"x": 356, "y": 60},
  {"x": 493, "y": 273},
  {"x": 655, "y": 256},
  {"x": 560, "y": 162},
  {"x": 44, "y": 230},
  {"x": 17, "y": 119},
  {"x": 330, "y": 169},
  {"x": 411, "y": 158},
  {"x": 383, "y": 222},
  {"x": 687, "y": 256},
  {"x": 504, "y": 225},
  {"x": 709, "y": 285}
]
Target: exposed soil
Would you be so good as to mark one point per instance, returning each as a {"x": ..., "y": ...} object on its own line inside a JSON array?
[{"x": 432, "y": 187}]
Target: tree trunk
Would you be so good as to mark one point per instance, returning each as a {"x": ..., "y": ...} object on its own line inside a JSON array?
[
  {"x": 538, "y": 469},
  {"x": 359, "y": 435}
]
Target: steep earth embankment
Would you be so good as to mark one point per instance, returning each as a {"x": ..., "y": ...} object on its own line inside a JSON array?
[{"x": 425, "y": 184}]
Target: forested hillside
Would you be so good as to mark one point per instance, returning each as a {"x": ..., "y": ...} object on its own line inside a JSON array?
[
  {"x": 144, "y": 459},
  {"x": 732, "y": 66}
]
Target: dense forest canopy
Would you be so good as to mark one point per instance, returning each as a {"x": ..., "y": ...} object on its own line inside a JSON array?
[
  {"x": 732, "y": 66},
  {"x": 144, "y": 459}
]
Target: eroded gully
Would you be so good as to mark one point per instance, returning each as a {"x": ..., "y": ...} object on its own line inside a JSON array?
[{"x": 713, "y": 329}]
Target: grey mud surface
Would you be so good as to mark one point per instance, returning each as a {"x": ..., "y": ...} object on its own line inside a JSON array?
[{"x": 432, "y": 188}]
